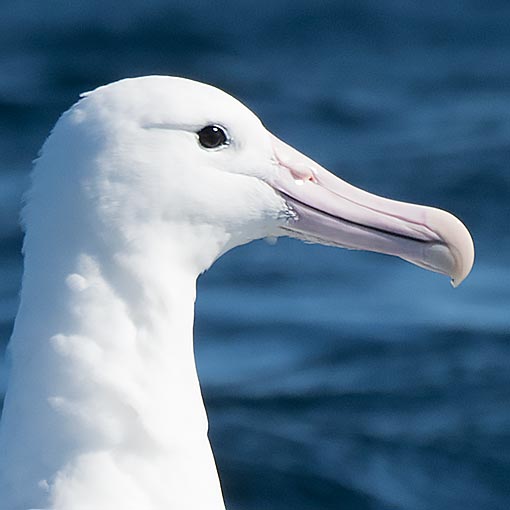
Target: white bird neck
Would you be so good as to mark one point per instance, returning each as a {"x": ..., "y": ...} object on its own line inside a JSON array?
[{"x": 103, "y": 385}]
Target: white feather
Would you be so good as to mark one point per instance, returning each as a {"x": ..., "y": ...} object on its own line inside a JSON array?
[{"x": 103, "y": 409}]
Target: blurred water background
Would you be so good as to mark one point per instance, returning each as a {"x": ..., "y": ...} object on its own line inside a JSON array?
[{"x": 333, "y": 379}]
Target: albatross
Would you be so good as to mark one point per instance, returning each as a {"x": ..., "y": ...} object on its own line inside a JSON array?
[{"x": 139, "y": 188}]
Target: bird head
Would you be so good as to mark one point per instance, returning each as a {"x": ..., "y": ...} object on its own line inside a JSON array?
[{"x": 163, "y": 155}]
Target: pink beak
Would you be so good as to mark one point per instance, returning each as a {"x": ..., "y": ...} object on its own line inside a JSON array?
[{"x": 330, "y": 211}]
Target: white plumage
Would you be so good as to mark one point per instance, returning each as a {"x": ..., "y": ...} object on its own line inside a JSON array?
[{"x": 127, "y": 207}]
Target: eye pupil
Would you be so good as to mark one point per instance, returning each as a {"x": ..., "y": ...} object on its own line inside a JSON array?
[{"x": 211, "y": 137}]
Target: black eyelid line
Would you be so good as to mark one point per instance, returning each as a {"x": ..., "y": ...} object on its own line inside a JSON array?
[
  {"x": 192, "y": 128},
  {"x": 195, "y": 129},
  {"x": 171, "y": 127}
]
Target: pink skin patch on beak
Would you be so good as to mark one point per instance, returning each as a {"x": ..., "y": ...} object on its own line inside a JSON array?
[{"x": 300, "y": 172}]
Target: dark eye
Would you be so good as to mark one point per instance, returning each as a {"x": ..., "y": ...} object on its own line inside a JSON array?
[{"x": 212, "y": 137}]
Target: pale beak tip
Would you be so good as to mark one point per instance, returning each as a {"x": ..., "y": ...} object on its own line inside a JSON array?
[
  {"x": 460, "y": 244},
  {"x": 465, "y": 258},
  {"x": 465, "y": 263}
]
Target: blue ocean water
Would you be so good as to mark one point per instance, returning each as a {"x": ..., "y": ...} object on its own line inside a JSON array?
[{"x": 333, "y": 379}]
